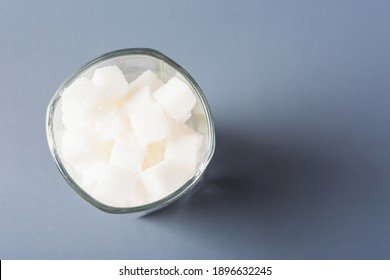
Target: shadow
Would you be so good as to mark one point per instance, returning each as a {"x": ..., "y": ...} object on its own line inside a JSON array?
[{"x": 256, "y": 191}]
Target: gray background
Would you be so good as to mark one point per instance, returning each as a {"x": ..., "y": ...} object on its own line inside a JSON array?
[{"x": 300, "y": 93}]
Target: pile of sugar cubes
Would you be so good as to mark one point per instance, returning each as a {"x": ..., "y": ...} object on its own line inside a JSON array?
[{"x": 128, "y": 144}]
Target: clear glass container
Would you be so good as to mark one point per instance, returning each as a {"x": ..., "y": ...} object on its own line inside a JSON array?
[{"x": 133, "y": 62}]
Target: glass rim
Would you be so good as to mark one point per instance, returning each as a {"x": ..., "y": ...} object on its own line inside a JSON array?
[{"x": 149, "y": 207}]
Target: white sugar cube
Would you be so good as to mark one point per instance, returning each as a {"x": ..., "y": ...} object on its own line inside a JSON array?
[
  {"x": 176, "y": 98},
  {"x": 198, "y": 123},
  {"x": 128, "y": 154},
  {"x": 184, "y": 149},
  {"x": 111, "y": 124},
  {"x": 163, "y": 179},
  {"x": 185, "y": 117},
  {"x": 71, "y": 120},
  {"x": 78, "y": 146},
  {"x": 147, "y": 78},
  {"x": 117, "y": 187},
  {"x": 138, "y": 196},
  {"x": 104, "y": 148},
  {"x": 150, "y": 125},
  {"x": 71, "y": 170},
  {"x": 90, "y": 173},
  {"x": 112, "y": 81},
  {"x": 81, "y": 98},
  {"x": 154, "y": 154},
  {"x": 138, "y": 101},
  {"x": 178, "y": 128},
  {"x": 198, "y": 108}
]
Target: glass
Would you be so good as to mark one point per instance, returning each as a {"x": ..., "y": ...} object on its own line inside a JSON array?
[{"x": 133, "y": 62}]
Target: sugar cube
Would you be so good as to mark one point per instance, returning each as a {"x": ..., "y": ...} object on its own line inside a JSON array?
[
  {"x": 163, "y": 179},
  {"x": 117, "y": 187},
  {"x": 198, "y": 108},
  {"x": 198, "y": 123},
  {"x": 184, "y": 149},
  {"x": 154, "y": 154},
  {"x": 78, "y": 146},
  {"x": 80, "y": 98},
  {"x": 176, "y": 98},
  {"x": 90, "y": 173},
  {"x": 112, "y": 82},
  {"x": 147, "y": 78},
  {"x": 138, "y": 101},
  {"x": 111, "y": 124},
  {"x": 138, "y": 196},
  {"x": 150, "y": 125},
  {"x": 128, "y": 154}
]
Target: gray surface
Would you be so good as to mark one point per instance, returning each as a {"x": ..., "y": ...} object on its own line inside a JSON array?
[{"x": 300, "y": 93}]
